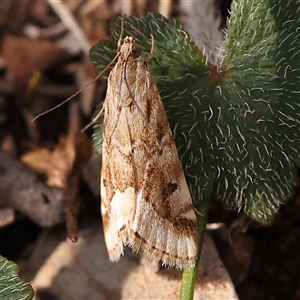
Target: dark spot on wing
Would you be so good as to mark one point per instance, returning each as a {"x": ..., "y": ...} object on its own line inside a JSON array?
[{"x": 168, "y": 190}]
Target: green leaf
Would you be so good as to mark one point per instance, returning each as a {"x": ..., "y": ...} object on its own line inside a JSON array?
[
  {"x": 260, "y": 95},
  {"x": 11, "y": 286},
  {"x": 236, "y": 129}
]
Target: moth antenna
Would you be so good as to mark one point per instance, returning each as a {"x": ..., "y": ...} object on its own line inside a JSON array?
[
  {"x": 75, "y": 94},
  {"x": 93, "y": 121},
  {"x": 150, "y": 55},
  {"x": 88, "y": 84},
  {"x": 102, "y": 109},
  {"x": 121, "y": 33}
]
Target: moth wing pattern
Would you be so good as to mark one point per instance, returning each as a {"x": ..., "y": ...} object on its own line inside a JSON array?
[{"x": 145, "y": 200}]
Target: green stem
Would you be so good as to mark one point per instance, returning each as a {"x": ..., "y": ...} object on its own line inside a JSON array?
[{"x": 189, "y": 274}]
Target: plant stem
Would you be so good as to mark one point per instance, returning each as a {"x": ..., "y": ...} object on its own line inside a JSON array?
[{"x": 189, "y": 274}]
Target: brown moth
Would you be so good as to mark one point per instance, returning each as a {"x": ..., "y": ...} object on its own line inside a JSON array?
[{"x": 145, "y": 200}]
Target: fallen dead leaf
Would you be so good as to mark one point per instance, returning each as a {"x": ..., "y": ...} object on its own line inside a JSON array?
[
  {"x": 53, "y": 164},
  {"x": 23, "y": 56},
  {"x": 64, "y": 165}
]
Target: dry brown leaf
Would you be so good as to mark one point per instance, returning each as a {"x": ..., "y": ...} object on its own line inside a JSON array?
[
  {"x": 51, "y": 163},
  {"x": 67, "y": 158},
  {"x": 63, "y": 167},
  {"x": 23, "y": 56}
]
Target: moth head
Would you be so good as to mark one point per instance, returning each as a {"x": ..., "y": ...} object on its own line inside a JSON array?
[
  {"x": 129, "y": 44},
  {"x": 128, "y": 40}
]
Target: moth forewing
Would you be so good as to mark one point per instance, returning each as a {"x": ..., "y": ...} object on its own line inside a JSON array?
[{"x": 145, "y": 201}]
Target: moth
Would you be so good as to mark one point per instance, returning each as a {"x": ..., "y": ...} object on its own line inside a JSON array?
[{"x": 145, "y": 200}]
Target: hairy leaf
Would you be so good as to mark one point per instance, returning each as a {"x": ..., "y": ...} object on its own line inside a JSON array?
[{"x": 237, "y": 129}]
